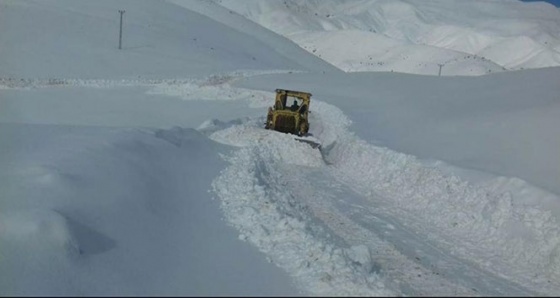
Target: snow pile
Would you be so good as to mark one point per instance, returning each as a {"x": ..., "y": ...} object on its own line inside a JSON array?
[
  {"x": 270, "y": 217},
  {"x": 508, "y": 235},
  {"x": 465, "y": 37},
  {"x": 37, "y": 228}
]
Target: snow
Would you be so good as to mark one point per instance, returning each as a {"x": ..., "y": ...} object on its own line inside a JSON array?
[
  {"x": 418, "y": 35},
  {"x": 197, "y": 48},
  {"x": 147, "y": 171}
]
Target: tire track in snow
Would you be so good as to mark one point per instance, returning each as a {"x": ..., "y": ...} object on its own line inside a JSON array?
[
  {"x": 327, "y": 201},
  {"x": 418, "y": 267}
]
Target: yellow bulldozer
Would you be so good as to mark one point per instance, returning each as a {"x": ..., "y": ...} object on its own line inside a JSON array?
[{"x": 290, "y": 112}]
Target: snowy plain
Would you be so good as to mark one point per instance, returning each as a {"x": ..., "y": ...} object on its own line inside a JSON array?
[{"x": 147, "y": 171}]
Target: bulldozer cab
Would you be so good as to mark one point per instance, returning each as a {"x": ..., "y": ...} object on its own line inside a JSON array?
[
  {"x": 292, "y": 100},
  {"x": 290, "y": 112}
]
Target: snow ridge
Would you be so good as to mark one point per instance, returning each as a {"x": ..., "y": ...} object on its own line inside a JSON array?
[{"x": 485, "y": 223}]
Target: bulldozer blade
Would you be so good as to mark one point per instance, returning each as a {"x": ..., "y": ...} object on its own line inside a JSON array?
[{"x": 313, "y": 143}]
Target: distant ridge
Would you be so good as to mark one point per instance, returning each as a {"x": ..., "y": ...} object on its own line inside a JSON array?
[{"x": 471, "y": 37}]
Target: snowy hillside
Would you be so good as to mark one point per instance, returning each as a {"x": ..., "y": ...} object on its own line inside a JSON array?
[
  {"x": 146, "y": 171},
  {"x": 465, "y": 37},
  {"x": 79, "y": 39}
]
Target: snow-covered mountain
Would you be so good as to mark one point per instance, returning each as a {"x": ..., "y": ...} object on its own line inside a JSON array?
[
  {"x": 146, "y": 171},
  {"x": 464, "y": 37}
]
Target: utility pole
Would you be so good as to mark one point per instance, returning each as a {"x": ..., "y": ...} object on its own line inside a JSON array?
[
  {"x": 120, "y": 30},
  {"x": 440, "y": 66}
]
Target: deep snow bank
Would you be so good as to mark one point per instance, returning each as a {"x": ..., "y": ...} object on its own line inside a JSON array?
[{"x": 99, "y": 211}]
